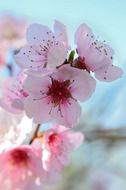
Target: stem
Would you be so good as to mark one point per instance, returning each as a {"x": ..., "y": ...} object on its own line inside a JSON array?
[{"x": 35, "y": 134}]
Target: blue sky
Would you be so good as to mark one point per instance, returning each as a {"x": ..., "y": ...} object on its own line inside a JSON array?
[{"x": 107, "y": 17}]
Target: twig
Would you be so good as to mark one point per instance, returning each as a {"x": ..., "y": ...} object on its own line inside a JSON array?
[
  {"x": 105, "y": 135},
  {"x": 35, "y": 134}
]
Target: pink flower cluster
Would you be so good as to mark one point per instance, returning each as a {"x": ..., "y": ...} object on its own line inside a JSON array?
[
  {"x": 53, "y": 81},
  {"x": 40, "y": 163}
]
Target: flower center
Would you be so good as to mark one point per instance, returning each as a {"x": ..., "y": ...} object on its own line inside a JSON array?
[
  {"x": 55, "y": 142},
  {"x": 80, "y": 64},
  {"x": 19, "y": 157},
  {"x": 59, "y": 91}
]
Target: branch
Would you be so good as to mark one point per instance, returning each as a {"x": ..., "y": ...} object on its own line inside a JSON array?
[
  {"x": 105, "y": 135},
  {"x": 35, "y": 134}
]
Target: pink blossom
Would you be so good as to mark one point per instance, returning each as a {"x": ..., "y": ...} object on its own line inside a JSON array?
[
  {"x": 56, "y": 96},
  {"x": 21, "y": 168},
  {"x": 95, "y": 56},
  {"x": 45, "y": 49},
  {"x": 14, "y": 94},
  {"x": 57, "y": 144}
]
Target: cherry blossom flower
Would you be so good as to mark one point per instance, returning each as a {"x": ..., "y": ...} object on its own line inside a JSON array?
[
  {"x": 21, "y": 168},
  {"x": 14, "y": 94},
  {"x": 57, "y": 144},
  {"x": 12, "y": 31},
  {"x": 55, "y": 97},
  {"x": 95, "y": 56},
  {"x": 45, "y": 49}
]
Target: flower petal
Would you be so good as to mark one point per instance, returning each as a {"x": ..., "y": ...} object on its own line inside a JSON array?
[
  {"x": 83, "y": 38},
  {"x": 57, "y": 55},
  {"x": 37, "y": 33},
  {"x": 40, "y": 110},
  {"x": 83, "y": 86},
  {"x": 73, "y": 139},
  {"x": 61, "y": 32},
  {"x": 37, "y": 85},
  {"x": 30, "y": 57},
  {"x": 41, "y": 72},
  {"x": 110, "y": 74},
  {"x": 13, "y": 94},
  {"x": 98, "y": 55},
  {"x": 69, "y": 113}
]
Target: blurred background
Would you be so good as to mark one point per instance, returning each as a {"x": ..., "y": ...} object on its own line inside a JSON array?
[{"x": 99, "y": 164}]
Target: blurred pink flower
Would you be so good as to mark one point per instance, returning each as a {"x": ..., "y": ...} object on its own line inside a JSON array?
[
  {"x": 12, "y": 31},
  {"x": 45, "y": 49},
  {"x": 21, "y": 168},
  {"x": 58, "y": 143},
  {"x": 55, "y": 97},
  {"x": 14, "y": 94},
  {"x": 95, "y": 56}
]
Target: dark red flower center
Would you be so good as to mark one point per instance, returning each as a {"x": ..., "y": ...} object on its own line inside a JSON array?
[
  {"x": 80, "y": 64},
  {"x": 53, "y": 138},
  {"x": 59, "y": 91},
  {"x": 55, "y": 142},
  {"x": 19, "y": 157}
]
